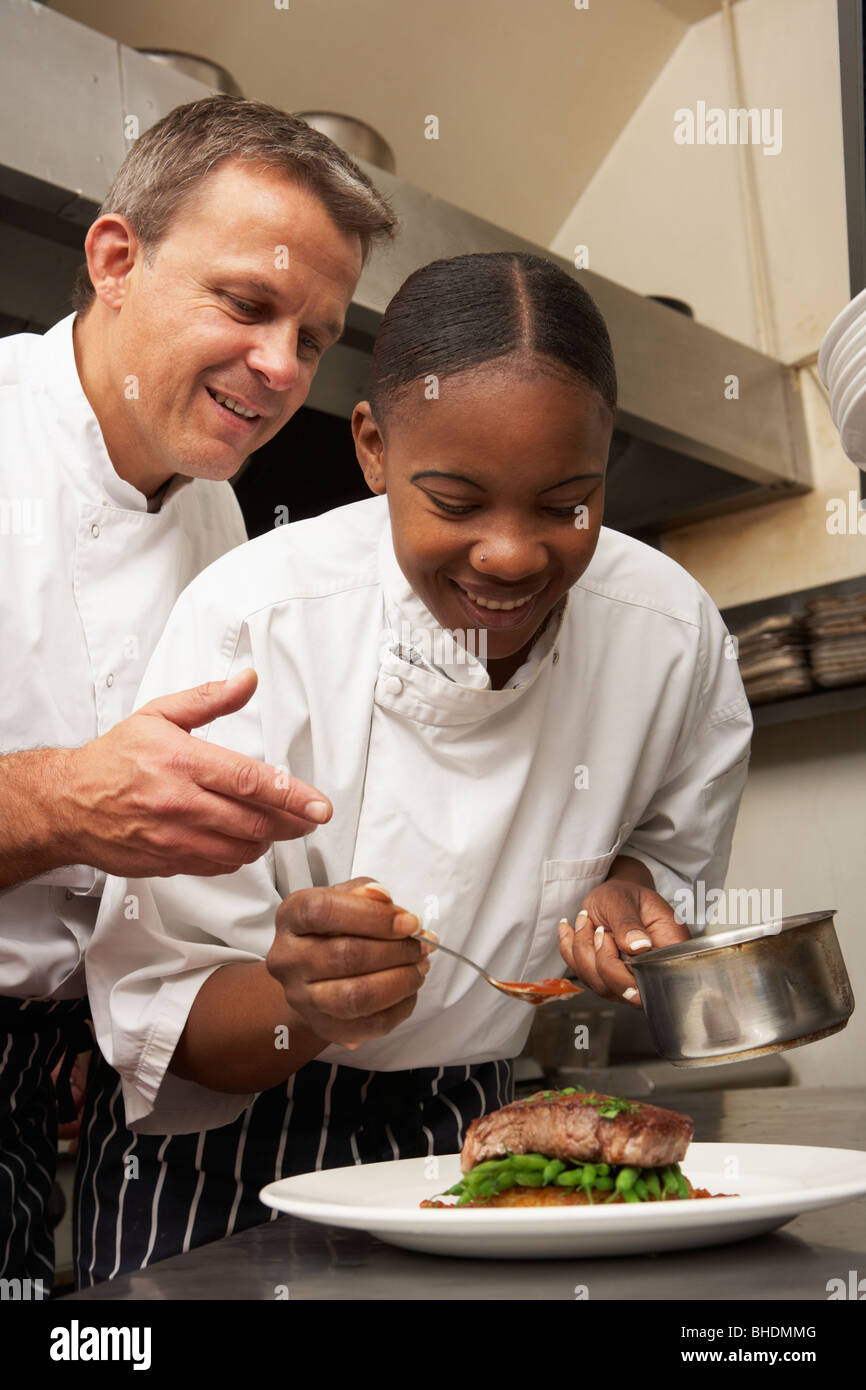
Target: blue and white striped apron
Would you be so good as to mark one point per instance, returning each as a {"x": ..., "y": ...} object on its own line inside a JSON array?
[
  {"x": 34, "y": 1036},
  {"x": 142, "y": 1198}
]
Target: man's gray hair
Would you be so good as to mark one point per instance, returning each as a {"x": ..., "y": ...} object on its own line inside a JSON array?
[{"x": 168, "y": 162}]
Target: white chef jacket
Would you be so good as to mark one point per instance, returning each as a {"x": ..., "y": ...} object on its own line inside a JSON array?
[
  {"x": 461, "y": 799},
  {"x": 90, "y": 575}
]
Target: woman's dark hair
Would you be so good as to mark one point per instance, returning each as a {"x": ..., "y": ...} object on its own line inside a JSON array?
[{"x": 463, "y": 312}]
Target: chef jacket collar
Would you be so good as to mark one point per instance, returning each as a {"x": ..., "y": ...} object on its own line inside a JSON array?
[
  {"x": 418, "y": 639},
  {"x": 97, "y": 477}
]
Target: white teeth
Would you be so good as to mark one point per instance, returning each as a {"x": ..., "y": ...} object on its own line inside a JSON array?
[
  {"x": 491, "y": 603},
  {"x": 233, "y": 405}
]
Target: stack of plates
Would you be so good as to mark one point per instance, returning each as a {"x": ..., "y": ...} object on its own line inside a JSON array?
[
  {"x": 774, "y": 658},
  {"x": 842, "y": 364},
  {"x": 837, "y": 627}
]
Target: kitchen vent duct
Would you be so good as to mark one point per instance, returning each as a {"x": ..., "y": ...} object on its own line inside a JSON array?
[
  {"x": 202, "y": 69},
  {"x": 357, "y": 138}
]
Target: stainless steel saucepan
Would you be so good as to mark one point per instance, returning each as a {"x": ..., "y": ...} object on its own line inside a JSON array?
[{"x": 739, "y": 993}]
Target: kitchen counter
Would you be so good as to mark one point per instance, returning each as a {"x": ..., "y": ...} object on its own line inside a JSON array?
[{"x": 287, "y": 1255}]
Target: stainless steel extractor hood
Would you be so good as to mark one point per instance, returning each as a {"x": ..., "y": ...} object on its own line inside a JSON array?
[{"x": 70, "y": 100}]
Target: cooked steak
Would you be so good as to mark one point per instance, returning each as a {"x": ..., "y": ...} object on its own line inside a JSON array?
[{"x": 572, "y": 1127}]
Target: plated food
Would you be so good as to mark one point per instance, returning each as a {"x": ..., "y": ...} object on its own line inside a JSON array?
[
  {"x": 573, "y": 1148},
  {"x": 773, "y": 1183}
]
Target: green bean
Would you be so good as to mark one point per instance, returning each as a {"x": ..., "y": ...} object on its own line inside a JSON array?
[
  {"x": 625, "y": 1178},
  {"x": 641, "y": 1189},
  {"x": 554, "y": 1166},
  {"x": 682, "y": 1186},
  {"x": 474, "y": 1180},
  {"x": 504, "y": 1180},
  {"x": 630, "y": 1195},
  {"x": 489, "y": 1166},
  {"x": 602, "y": 1169},
  {"x": 653, "y": 1184},
  {"x": 669, "y": 1180},
  {"x": 526, "y": 1179},
  {"x": 572, "y": 1178},
  {"x": 455, "y": 1190},
  {"x": 530, "y": 1161},
  {"x": 604, "y": 1184}
]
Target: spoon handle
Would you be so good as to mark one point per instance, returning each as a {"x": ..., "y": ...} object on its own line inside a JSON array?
[{"x": 421, "y": 935}]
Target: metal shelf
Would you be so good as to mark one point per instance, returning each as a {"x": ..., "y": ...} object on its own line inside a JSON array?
[{"x": 820, "y": 702}]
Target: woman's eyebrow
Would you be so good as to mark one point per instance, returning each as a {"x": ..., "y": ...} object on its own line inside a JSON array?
[
  {"x": 575, "y": 478},
  {"x": 455, "y": 477},
  {"x": 459, "y": 478}
]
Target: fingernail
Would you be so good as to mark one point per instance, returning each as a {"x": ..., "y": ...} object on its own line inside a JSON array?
[
  {"x": 405, "y": 923},
  {"x": 434, "y": 935},
  {"x": 637, "y": 942},
  {"x": 583, "y": 913},
  {"x": 376, "y": 890},
  {"x": 319, "y": 811},
  {"x": 564, "y": 922},
  {"x": 598, "y": 937},
  {"x": 630, "y": 994}
]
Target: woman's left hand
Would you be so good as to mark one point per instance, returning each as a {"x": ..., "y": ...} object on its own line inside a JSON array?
[{"x": 618, "y": 919}]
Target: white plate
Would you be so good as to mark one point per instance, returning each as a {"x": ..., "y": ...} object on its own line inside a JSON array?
[
  {"x": 776, "y": 1182},
  {"x": 848, "y": 384},
  {"x": 843, "y": 351},
  {"x": 841, "y": 325}
]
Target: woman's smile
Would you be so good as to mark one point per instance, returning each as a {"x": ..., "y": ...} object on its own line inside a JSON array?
[{"x": 497, "y": 608}]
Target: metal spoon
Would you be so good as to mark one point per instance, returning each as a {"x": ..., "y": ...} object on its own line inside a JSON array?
[{"x": 528, "y": 992}]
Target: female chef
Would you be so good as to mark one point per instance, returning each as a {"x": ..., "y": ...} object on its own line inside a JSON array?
[{"x": 514, "y": 711}]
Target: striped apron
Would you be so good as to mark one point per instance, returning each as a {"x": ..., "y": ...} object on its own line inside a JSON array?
[
  {"x": 34, "y": 1036},
  {"x": 142, "y": 1198}
]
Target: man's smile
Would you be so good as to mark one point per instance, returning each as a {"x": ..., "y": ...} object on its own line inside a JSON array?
[{"x": 239, "y": 411}]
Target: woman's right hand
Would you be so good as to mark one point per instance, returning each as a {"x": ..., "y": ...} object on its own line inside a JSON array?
[{"x": 344, "y": 961}]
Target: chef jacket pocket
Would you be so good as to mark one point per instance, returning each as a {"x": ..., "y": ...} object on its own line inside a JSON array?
[{"x": 564, "y": 885}]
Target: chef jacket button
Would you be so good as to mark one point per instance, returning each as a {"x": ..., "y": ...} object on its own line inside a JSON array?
[
  {"x": 109, "y": 680},
  {"x": 69, "y": 895},
  {"x": 555, "y": 655},
  {"x": 94, "y": 530},
  {"x": 393, "y": 685}
]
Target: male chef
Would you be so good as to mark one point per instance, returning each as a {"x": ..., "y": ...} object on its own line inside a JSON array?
[{"x": 219, "y": 270}]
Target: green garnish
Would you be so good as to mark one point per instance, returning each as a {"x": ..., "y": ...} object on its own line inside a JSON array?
[
  {"x": 626, "y": 1182},
  {"x": 608, "y": 1106}
]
